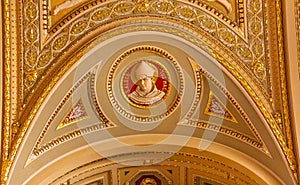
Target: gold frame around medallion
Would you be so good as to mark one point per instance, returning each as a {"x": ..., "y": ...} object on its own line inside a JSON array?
[{"x": 155, "y": 50}]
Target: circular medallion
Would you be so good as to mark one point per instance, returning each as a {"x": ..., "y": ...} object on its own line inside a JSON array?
[
  {"x": 145, "y": 84},
  {"x": 166, "y": 71}
]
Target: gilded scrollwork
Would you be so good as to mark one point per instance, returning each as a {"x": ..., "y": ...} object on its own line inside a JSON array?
[
  {"x": 222, "y": 28},
  {"x": 261, "y": 103},
  {"x": 248, "y": 43},
  {"x": 31, "y": 43}
]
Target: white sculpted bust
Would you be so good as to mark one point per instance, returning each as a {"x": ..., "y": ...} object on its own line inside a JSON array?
[{"x": 146, "y": 92}]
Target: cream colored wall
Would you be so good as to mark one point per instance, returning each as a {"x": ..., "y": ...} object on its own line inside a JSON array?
[{"x": 292, "y": 70}]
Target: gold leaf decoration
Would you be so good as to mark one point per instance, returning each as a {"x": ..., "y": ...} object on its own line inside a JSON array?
[
  {"x": 31, "y": 55},
  {"x": 79, "y": 27},
  {"x": 227, "y": 36},
  {"x": 186, "y": 13},
  {"x": 101, "y": 15},
  {"x": 164, "y": 7},
  {"x": 123, "y": 8},
  {"x": 31, "y": 32},
  {"x": 244, "y": 52},
  {"x": 60, "y": 42},
  {"x": 44, "y": 59},
  {"x": 31, "y": 11}
]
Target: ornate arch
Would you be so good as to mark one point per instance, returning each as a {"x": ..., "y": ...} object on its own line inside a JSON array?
[{"x": 245, "y": 42}]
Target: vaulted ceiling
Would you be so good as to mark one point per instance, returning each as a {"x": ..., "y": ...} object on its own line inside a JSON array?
[{"x": 68, "y": 72}]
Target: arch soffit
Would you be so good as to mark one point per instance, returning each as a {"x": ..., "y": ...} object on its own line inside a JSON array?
[
  {"x": 84, "y": 66},
  {"x": 217, "y": 51}
]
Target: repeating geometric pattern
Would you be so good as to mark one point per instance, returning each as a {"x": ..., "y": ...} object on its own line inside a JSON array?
[{"x": 247, "y": 44}]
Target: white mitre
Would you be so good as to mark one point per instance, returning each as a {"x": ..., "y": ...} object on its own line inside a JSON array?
[{"x": 142, "y": 69}]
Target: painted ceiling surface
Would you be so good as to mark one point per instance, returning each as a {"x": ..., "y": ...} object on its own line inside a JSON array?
[{"x": 74, "y": 111}]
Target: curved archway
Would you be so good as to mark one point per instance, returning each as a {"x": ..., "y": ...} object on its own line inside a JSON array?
[{"x": 215, "y": 67}]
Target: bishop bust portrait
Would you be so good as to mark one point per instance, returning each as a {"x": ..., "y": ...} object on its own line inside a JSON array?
[{"x": 146, "y": 93}]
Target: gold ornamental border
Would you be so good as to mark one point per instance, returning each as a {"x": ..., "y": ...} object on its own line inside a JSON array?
[
  {"x": 12, "y": 89},
  {"x": 12, "y": 80},
  {"x": 298, "y": 32},
  {"x": 40, "y": 149},
  {"x": 143, "y": 6},
  {"x": 257, "y": 142},
  {"x": 283, "y": 84},
  {"x": 190, "y": 12},
  {"x": 214, "y": 167},
  {"x": 216, "y": 53}
]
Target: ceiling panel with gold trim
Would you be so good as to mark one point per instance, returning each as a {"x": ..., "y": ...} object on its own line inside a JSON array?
[{"x": 72, "y": 84}]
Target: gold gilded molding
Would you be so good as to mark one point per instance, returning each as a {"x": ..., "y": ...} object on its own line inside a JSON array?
[
  {"x": 235, "y": 19},
  {"x": 199, "y": 86},
  {"x": 255, "y": 142},
  {"x": 209, "y": 45},
  {"x": 197, "y": 13},
  {"x": 11, "y": 79},
  {"x": 7, "y": 82},
  {"x": 49, "y": 55},
  {"x": 284, "y": 92},
  {"x": 216, "y": 168},
  {"x": 297, "y": 18},
  {"x": 40, "y": 149}
]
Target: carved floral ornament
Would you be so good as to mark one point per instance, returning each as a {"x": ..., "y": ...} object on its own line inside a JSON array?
[
  {"x": 217, "y": 32},
  {"x": 102, "y": 15}
]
